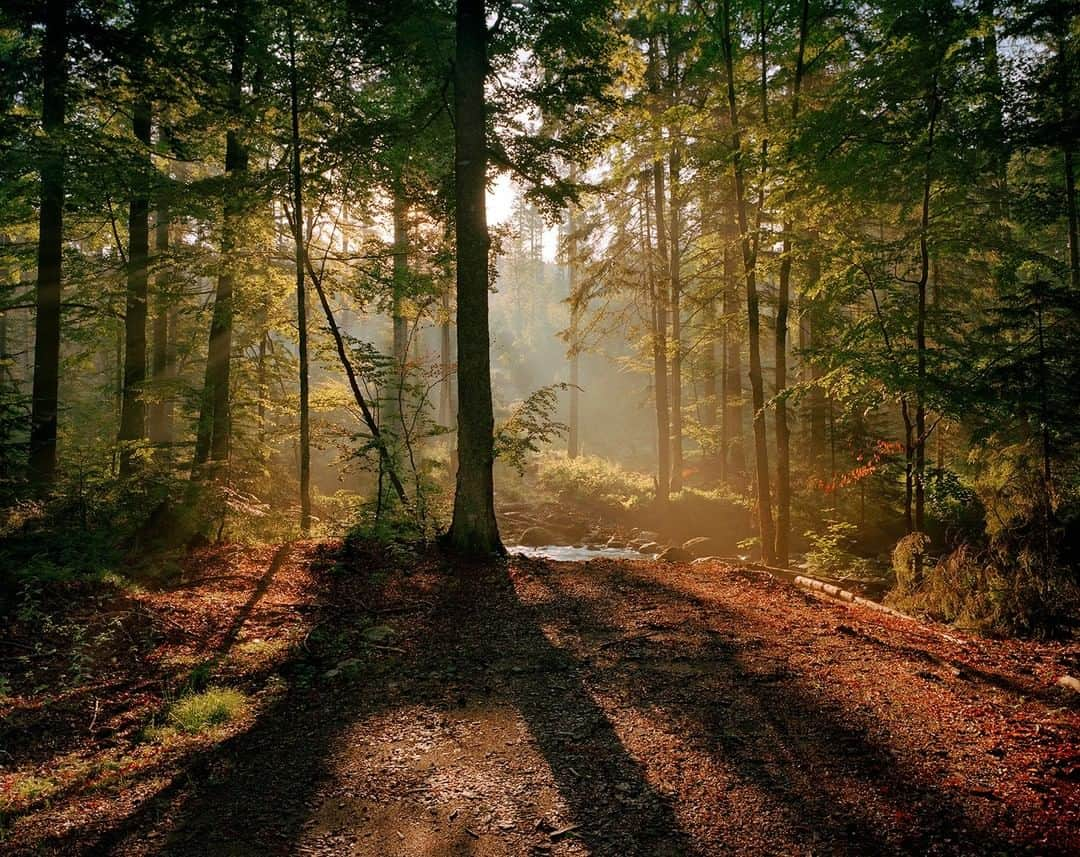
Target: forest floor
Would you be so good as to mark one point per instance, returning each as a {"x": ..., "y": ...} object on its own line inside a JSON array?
[{"x": 400, "y": 703}]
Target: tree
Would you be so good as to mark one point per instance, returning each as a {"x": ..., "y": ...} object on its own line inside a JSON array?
[
  {"x": 474, "y": 528},
  {"x": 43, "y": 417}
]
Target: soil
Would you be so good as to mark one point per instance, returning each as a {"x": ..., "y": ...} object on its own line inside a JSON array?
[{"x": 405, "y": 703}]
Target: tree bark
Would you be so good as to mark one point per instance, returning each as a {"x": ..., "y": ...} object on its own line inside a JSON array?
[
  {"x": 133, "y": 408},
  {"x": 1074, "y": 228},
  {"x": 660, "y": 293},
  {"x": 783, "y": 433},
  {"x": 159, "y": 417},
  {"x": 733, "y": 463},
  {"x": 212, "y": 437},
  {"x": 301, "y": 293},
  {"x": 920, "y": 321},
  {"x": 446, "y": 360},
  {"x": 749, "y": 254},
  {"x": 474, "y": 528},
  {"x": 658, "y": 319},
  {"x": 396, "y": 425},
  {"x": 674, "y": 166},
  {"x": 573, "y": 434},
  {"x": 45, "y": 395}
]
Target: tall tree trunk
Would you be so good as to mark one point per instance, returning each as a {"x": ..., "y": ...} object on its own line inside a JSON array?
[
  {"x": 133, "y": 408},
  {"x": 44, "y": 403},
  {"x": 783, "y": 433},
  {"x": 920, "y": 321},
  {"x": 660, "y": 291},
  {"x": 301, "y": 293},
  {"x": 707, "y": 369},
  {"x": 396, "y": 424},
  {"x": 1074, "y": 229},
  {"x": 212, "y": 436},
  {"x": 749, "y": 254},
  {"x": 658, "y": 317},
  {"x": 474, "y": 528},
  {"x": 159, "y": 418},
  {"x": 817, "y": 407},
  {"x": 446, "y": 360},
  {"x": 674, "y": 166},
  {"x": 732, "y": 443},
  {"x": 573, "y": 434}
]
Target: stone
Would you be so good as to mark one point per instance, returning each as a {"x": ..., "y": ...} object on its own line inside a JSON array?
[
  {"x": 674, "y": 554},
  {"x": 701, "y": 546}
]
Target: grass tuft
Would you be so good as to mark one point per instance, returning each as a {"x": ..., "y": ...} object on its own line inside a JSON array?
[{"x": 195, "y": 713}]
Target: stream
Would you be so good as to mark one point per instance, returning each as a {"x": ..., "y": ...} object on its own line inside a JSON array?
[{"x": 566, "y": 553}]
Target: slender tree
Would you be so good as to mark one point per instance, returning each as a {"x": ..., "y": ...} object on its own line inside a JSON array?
[
  {"x": 212, "y": 438},
  {"x": 133, "y": 408},
  {"x": 45, "y": 405},
  {"x": 301, "y": 293}
]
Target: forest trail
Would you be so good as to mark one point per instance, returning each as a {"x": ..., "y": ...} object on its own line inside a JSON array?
[{"x": 404, "y": 704}]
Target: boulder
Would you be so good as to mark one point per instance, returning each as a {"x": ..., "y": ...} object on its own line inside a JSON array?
[
  {"x": 675, "y": 555},
  {"x": 536, "y": 537},
  {"x": 702, "y": 546},
  {"x": 651, "y": 547}
]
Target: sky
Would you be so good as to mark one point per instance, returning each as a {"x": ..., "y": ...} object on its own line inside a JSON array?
[{"x": 500, "y": 205}]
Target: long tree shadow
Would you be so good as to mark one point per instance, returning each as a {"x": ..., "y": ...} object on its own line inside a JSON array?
[
  {"x": 254, "y": 793},
  {"x": 816, "y": 776},
  {"x": 828, "y": 779},
  {"x": 616, "y": 810},
  {"x": 250, "y": 793}
]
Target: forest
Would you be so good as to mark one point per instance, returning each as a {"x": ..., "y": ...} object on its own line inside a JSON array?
[{"x": 613, "y": 427}]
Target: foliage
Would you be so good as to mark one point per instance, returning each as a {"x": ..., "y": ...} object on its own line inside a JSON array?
[
  {"x": 529, "y": 426},
  {"x": 592, "y": 481},
  {"x": 829, "y": 552},
  {"x": 909, "y": 558}
]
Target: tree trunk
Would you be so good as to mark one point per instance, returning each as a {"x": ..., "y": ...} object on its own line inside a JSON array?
[
  {"x": 301, "y": 293},
  {"x": 573, "y": 434},
  {"x": 44, "y": 406},
  {"x": 749, "y": 254},
  {"x": 783, "y": 433},
  {"x": 446, "y": 360},
  {"x": 658, "y": 318},
  {"x": 1074, "y": 229},
  {"x": 133, "y": 408},
  {"x": 212, "y": 437},
  {"x": 674, "y": 165},
  {"x": 920, "y": 322},
  {"x": 732, "y": 444},
  {"x": 159, "y": 418},
  {"x": 396, "y": 424},
  {"x": 660, "y": 293},
  {"x": 474, "y": 528}
]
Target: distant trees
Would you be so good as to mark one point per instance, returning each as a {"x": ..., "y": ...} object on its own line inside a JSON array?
[{"x": 832, "y": 228}]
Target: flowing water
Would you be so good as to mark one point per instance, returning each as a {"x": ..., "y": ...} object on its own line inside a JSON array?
[{"x": 566, "y": 553}]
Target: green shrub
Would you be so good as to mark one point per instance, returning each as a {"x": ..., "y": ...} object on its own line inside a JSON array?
[
  {"x": 592, "y": 481},
  {"x": 830, "y": 555}
]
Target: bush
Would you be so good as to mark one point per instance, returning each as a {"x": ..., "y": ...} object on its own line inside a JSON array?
[
  {"x": 830, "y": 553},
  {"x": 1006, "y": 588},
  {"x": 594, "y": 482},
  {"x": 909, "y": 561}
]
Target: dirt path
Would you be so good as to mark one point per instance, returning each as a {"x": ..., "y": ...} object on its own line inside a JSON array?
[{"x": 607, "y": 708}]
